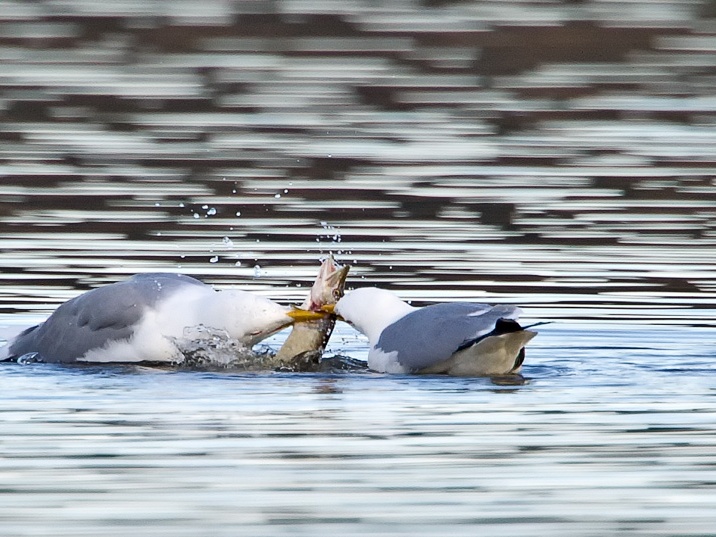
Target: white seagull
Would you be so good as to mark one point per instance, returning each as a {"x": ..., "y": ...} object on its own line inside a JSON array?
[
  {"x": 136, "y": 320},
  {"x": 456, "y": 338}
]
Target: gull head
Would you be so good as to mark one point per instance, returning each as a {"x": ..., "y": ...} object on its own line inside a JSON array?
[
  {"x": 250, "y": 318},
  {"x": 371, "y": 309}
]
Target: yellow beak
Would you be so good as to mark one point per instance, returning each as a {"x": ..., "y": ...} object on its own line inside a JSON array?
[
  {"x": 299, "y": 315},
  {"x": 331, "y": 309}
]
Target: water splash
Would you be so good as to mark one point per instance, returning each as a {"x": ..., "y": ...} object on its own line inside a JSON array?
[
  {"x": 30, "y": 358},
  {"x": 205, "y": 347}
]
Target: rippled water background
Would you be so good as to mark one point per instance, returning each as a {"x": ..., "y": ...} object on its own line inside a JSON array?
[{"x": 558, "y": 155}]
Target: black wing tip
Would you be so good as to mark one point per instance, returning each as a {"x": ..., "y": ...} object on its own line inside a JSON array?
[{"x": 502, "y": 326}]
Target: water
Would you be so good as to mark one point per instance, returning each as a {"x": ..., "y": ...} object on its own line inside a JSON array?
[
  {"x": 613, "y": 433},
  {"x": 557, "y": 156}
]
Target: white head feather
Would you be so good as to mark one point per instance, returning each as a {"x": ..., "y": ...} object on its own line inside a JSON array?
[
  {"x": 245, "y": 316},
  {"x": 371, "y": 309}
]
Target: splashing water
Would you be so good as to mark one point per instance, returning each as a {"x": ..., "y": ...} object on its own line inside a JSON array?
[{"x": 208, "y": 348}]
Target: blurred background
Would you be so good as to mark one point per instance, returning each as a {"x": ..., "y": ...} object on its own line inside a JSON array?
[{"x": 560, "y": 154}]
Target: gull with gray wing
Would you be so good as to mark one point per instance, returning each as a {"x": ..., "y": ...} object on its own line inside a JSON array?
[
  {"x": 455, "y": 338},
  {"x": 137, "y": 320}
]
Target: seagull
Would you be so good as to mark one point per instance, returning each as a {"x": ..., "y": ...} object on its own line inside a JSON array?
[
  {"x": 136, "y": 320},
  {"x": 455, "y": 338}
]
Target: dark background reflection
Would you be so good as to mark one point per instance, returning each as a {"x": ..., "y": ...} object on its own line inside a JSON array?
[{"x": 549, "y": 152}]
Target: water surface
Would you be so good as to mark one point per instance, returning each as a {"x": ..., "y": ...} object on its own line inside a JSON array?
[{"x": 611, "y": 434}]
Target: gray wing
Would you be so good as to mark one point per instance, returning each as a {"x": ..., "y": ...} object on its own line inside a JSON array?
[
  {"x": 92, "y": 319},
  {"x": 432, "y": 334}
]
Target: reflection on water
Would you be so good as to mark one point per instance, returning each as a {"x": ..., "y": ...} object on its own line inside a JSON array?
[{"x": 555, "y": 155}]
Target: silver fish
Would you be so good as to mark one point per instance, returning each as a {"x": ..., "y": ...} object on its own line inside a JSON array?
[{"x": 305, "y": 344}]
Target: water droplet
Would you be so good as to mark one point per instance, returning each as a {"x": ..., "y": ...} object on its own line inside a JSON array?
[
  {"x": 227, "y": 241},
  {"x": 214, "y": 259},
  {"x": 238, "y": 213},
  {"x": 237, "y": 264},
  {"x": 285, "y": 190},
  {"x": 204, "y": 206},
  {"x": 196, "y": 215},
  {"x": 181, "y": 204},
  {"x": 157, "y": 204},
  {"x": 277, "y": 196},
  {"x": 211, "y": 212},
  {"x": 257, "y": 271}
]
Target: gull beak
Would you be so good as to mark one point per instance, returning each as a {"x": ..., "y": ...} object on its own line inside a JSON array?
[
  {"x": 331, "y": 310},
  {"x": 298, "y": 315},
  {"x": 328, "y": 308}
]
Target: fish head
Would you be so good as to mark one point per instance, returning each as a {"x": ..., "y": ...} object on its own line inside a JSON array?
[{"x": 329, "y": 284}]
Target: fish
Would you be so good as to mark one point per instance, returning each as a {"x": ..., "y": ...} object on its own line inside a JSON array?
[{"x": 304, "y": 346}]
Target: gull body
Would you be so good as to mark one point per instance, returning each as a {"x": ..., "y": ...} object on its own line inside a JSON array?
[
  {"x": 456, "y": 338},
  {"x": 136, "y": 320}
]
